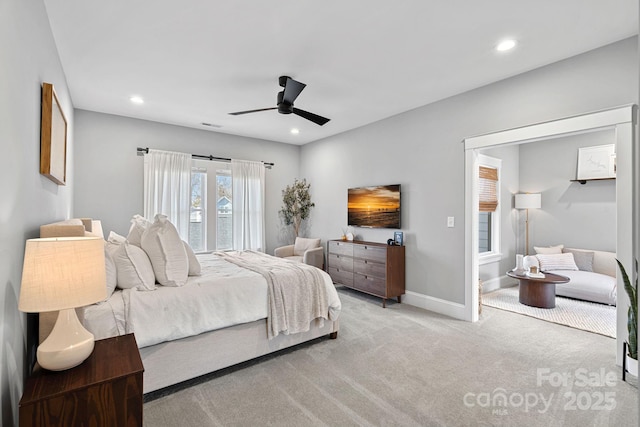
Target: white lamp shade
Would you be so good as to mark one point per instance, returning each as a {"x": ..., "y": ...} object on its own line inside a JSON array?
[
  {"x": 61, "y": 273},
  {"x": 528, "y": 201}
]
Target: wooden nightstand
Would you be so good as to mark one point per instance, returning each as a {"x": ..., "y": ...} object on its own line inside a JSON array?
[{"x": 105, "y": 390}]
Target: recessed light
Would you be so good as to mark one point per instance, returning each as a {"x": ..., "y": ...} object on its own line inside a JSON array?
[
  {"x": 505, "y": 45},
  {"x": 295, "y": 131},
  {"x": 136, "y": 99}
]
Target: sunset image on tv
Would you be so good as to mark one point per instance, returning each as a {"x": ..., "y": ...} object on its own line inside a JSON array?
[{"x": 374, "y": 206}]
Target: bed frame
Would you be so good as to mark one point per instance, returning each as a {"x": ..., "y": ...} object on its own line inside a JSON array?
[{"x": 170, "y": 363}]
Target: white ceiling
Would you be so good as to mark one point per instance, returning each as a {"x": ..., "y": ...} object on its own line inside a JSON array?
[{"x": 194, "y": 61}]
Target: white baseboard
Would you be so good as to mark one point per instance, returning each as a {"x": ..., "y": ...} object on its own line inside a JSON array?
[
  {"x": 497, "y": 283},
  {"x": 448, "y": 308}
]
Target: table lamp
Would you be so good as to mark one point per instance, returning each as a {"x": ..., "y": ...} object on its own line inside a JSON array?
[
  {"x": 60, "y": 274},
  {"x": 528, "y": 201}
]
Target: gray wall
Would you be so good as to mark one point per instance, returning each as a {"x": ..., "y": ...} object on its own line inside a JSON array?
[
  {"x": 422, "y": 150},
  {"x": 109, "y": 184},
  {"x": 578, "y": 216},
  {"x": 29, "y": 57}
]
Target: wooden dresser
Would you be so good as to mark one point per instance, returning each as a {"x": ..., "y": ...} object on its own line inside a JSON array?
[
  {"x": 374, "y": 268},
  {"x": 105, "y": 390}
]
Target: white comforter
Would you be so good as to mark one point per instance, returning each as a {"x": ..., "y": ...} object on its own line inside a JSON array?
[{"x": 224, "y": 295}]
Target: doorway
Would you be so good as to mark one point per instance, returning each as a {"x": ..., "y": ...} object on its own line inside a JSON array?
[{"x": 622, "y": 121}]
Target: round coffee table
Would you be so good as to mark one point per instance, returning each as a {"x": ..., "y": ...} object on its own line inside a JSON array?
[{"x": 538, "y": 292}]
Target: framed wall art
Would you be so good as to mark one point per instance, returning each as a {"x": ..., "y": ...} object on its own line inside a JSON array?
[
  {"x": 53, "y": 137},
  {"x": 597, "y": 162}
]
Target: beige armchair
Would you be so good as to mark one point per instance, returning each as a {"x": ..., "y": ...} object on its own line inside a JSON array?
[{"x": 308, "y": 251}]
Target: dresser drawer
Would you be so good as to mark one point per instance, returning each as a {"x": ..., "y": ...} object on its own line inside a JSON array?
[
  {"x": 370, "y": 284},
  {"x": 369, "y": 268},
  {"x": 341, "y": 262},
  {"x": 373, "y": 253},
  {"x": 341, "y": 248},
  {"x": 340, "y": 276}
]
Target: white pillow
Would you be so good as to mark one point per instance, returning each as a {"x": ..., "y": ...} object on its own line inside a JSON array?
[
  {"x": 553, "y": 262},
  {"x": 547, "y": 250},
  {"x": 303, "y": 244},
  {"x": 194, "y": 264},
  {"x": 168, "y": 256},
  {"x": 138, "y": 226},
  {"x": 115, "y": 238},
  {"x": 112, "y": 272},
  {"x": 133, "y": 267}
]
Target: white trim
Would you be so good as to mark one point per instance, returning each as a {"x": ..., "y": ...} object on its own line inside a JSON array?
[
  {"x": 497, "y": 283},
  {"x": 437, "y": 305},
  {"x": 489, "y": 257},
  {"x": 623, "y": 121},
  {"x": 556, "y": 128}
]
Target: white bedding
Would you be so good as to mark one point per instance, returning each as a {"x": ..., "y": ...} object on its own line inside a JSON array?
[{"x": 224, "y": 295}]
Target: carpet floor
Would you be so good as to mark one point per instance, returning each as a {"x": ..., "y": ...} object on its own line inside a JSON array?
[
  {"x": 588, "y": 316},
  {"x": 404, "y": 366}
]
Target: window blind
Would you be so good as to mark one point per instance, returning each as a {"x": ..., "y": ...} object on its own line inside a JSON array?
[{"x": 488, "y": 189}]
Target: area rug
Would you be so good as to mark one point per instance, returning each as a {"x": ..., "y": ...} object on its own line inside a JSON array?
[{"x": 588, "y": 316}]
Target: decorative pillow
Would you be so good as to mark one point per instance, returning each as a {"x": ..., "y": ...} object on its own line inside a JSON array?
[
  {"x": 133, "y": 268},
  {"x": 303, "y": 244},
  {"x": 138, "y": 226},
  {"x": 112, "y": 272},
  {"x": 194, "y": 264},
  {"x": 115, "y": 238},
  {"x": 168, "y": 256},
  {"x": 553, "y": 262},
  {"x": 583, "y": 259},
  {"x": 548, "y": 249}
]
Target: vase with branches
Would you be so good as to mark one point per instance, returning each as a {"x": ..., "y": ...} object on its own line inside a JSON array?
[{"x": 296, "y": 204}]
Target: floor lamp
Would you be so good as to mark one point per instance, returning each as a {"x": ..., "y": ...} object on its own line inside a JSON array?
[{"x": 528, "y": 201}]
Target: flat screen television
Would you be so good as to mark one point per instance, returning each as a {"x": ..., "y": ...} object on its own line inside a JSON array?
[{"x": 374, "y": 207}]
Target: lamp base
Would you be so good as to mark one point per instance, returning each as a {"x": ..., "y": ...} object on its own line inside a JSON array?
[{"x": 68, "y": 345}]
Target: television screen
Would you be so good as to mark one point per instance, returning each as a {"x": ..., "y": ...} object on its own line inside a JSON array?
[{"x": 375, "y": 207}]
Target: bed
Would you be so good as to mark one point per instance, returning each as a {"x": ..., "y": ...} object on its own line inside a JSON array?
[{"x": 222, "y": 317}]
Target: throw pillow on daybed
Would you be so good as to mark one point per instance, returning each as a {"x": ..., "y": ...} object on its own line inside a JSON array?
[
  {"x": 553, "y": 262},
  {"x": 583, "y": 259},
  {"x": 547, "y": 250},
  {"x": 165, "y": 249}
]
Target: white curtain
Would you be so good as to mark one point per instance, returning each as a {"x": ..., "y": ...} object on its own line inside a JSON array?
[
  {"x": 248, "y": 205},
  {"x": 167, "y": 188}
]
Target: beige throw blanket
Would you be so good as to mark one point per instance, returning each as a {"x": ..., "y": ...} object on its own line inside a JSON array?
[{"x": 296, "y": 291}]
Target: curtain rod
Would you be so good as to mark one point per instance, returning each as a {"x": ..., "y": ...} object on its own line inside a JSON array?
[{"x": 142, "y": 151}]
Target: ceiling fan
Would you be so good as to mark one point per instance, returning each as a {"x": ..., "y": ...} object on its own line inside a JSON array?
[{"x": 286, "y": 97}]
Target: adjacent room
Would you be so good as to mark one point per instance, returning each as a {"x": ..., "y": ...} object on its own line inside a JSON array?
[{"x": 250, "y": 213}]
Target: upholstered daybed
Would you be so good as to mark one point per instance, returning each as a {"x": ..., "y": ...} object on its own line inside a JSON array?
[
  {"x": 592, "y": 273},
  {"x": 170, "y": 362}
]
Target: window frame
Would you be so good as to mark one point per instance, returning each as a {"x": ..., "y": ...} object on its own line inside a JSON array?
[{"x": 495, "y": 253}]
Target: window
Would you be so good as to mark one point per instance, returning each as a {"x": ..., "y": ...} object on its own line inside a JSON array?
[
  {"x": 489, "y": 212},
  {"x": 224, "y": 224},
  {"x": 198, "y": 211},
  {"x": 210, "y": 226}
]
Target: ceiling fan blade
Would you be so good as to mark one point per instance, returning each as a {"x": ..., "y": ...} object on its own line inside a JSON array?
[
  {"x": 291, "y": 90},
  {"x": 319, "y": 120},
  {"x": 237, "y": 113}
]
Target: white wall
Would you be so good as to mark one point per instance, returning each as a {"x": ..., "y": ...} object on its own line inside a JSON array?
[
  {"x": 578, "y": 216},
  {"x": 29, "y": 57},
  {"x": 422, "y": 150},
  {"x": 109, "y": 173}
]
